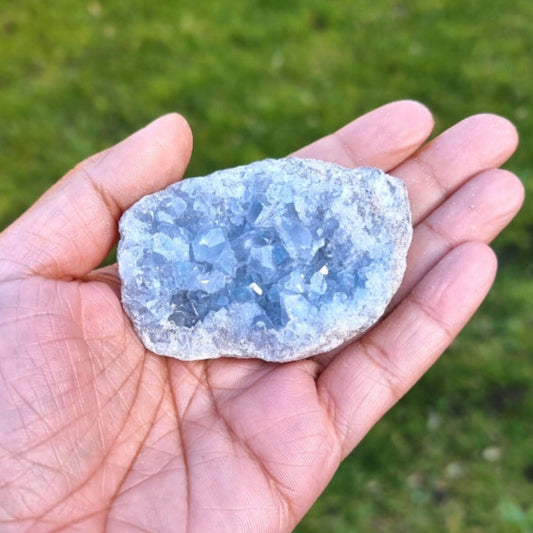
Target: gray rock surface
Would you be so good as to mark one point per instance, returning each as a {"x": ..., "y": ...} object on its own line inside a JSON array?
[{"x": 278, "y": 260}]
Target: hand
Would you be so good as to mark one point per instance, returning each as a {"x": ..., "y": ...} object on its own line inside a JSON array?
[{"x": 99, "y": 434}]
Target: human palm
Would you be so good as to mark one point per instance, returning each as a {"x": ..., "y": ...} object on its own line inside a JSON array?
[{"x": 98, "y": 433}]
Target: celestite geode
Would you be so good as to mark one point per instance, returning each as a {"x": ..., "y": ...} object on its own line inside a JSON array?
[{"x": 278, "y": 260}]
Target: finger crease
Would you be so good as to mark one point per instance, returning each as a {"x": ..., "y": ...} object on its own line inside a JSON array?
[
  {"x": 345, "y": 147},
  {"x": 112, "y": 206},
  {"x": 384, "y": 361},
  {"x": 431, "y": 314},
  {"x": 448, "y": 239},
  {"x": 430, "y": 172}
]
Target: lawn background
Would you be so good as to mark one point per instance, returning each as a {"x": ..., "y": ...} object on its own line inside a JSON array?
[{"x": 259, "y": 79}]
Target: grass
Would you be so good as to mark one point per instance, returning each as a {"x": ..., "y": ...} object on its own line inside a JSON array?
[{"x": 260, "y": 79}]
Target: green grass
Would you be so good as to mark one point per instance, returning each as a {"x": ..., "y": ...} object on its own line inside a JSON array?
[{"x": 260, "y": 79}]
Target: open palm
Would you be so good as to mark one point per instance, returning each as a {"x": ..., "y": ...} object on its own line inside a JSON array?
[{"x": 97, "y": 433}]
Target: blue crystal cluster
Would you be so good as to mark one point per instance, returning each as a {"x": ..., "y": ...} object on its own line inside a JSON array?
[{"x": 279, "y": 259}]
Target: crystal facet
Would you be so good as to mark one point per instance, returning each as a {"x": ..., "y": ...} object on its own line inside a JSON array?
[{"x": 279, "y": 259}]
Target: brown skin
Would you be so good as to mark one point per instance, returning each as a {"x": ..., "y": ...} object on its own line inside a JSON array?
[{"x": 99, "y": 434}]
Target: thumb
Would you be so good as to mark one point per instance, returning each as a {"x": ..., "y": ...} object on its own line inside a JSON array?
[{"x": 72, "y": 227}]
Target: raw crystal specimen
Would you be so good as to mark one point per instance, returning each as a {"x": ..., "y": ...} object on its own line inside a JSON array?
[{"x": 279, "y": 259}]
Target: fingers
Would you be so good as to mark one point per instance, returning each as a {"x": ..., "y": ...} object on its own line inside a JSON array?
[
  {"x": 382, "y": 138},
  {"x": 478, "y": 211},
  {"x": 371, "y": 375},
  {"x": 475, "y": 144},
  {"x": 70, "y": 230}
]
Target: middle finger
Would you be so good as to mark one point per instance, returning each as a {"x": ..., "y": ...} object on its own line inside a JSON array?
[{"x": 478, "y": 143}]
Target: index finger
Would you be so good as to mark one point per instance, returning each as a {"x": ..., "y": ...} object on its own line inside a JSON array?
[{"x": 381, "y": 138}]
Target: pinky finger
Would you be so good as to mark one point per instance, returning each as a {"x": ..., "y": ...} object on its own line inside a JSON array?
[{"x": 367, "y": 378}]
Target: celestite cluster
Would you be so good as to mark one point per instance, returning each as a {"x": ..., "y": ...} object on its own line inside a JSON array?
[{"x": 278, "y": 260}]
